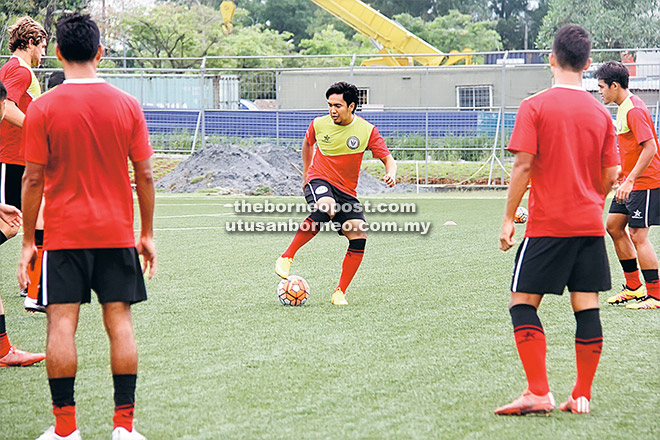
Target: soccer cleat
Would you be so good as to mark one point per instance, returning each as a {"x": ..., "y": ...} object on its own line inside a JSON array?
[
  {"x": 20, "y": 358},
  {"x": 339, "y": 298},
  {"x": 626, "y": 295},
  {"x": 49, "y": 434},
  {"x": 647, "y": 303},
  {"x": 31, "y": 306},
  {"x": 120, "y": 433},
  {"x": 528, "y": 403},
  {"x": 282, "y": 266},
  {"x": 23, "y": 293},
  {"x": 576, "y": 406}
]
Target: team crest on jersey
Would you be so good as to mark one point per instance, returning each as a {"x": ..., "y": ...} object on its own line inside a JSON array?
[
  {"x": 326, "y": 139},
  {"x": 353, "y": 142}
]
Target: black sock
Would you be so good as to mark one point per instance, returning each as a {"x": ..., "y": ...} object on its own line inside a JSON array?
[
  {"x": 3, "y": 237},
  {"x": 650, "y": 275},
  {"x": 357, "y": 245},
  {"x": 3, "y": 329},
  {"x": 523, "y": 315},
  {"x": 124, "y": 388},
  {"x": 588, "y": 325},
  {"x": 61, "y": 390},
  {"x": 629, "y": 265}
]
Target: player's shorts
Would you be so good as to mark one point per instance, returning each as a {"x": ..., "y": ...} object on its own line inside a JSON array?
[
  {"x": 642, "y": 208},
  {"x": 548, "y": 264},
  {"x": 69, "y": 275},
  {"x": 347, "y": 206},
  {"x": 11, "y": 181}
]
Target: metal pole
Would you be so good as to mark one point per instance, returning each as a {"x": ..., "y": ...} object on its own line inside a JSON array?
[
  {"x": 426, "y": 133},
  {"x": 352, "y": 65},
  {"x": 277, "y": 108},
  {"x": 202, "y": 111},
  {"x": 503, "y": 98}
]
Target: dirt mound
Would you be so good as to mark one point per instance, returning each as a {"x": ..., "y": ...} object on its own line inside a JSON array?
[{"x": 260, "y": 169}]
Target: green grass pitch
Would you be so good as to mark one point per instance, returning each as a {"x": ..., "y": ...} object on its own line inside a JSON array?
[{"x": 423, "y": 351}]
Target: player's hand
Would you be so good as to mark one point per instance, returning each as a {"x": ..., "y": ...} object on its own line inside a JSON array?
[
  {"x": 28, "y": 258},
  {"x": 389, "y": 179},
  {"x": 506, "y": 236},
  {"x": 11, "y": 215},
  {"x": 147, "y": 248},
  {"x": 623, "y": 191}
]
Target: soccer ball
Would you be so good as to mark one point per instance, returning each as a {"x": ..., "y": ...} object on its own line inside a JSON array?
[
  {"x": 293, "y": 291},
  {"x": 521, "y": 215}
]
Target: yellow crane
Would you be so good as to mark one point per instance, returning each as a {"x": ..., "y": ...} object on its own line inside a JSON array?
[{"x": 387, "y": 35}]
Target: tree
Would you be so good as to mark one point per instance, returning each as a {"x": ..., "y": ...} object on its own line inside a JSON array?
[
  {"x": 611, "y": 23},
  {"x": 454, "y": 31},
  {"x": 330, "y": 41}
]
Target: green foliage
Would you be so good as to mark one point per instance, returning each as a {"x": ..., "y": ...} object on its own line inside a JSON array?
[
  {"x": 330, "y": 41},
  {"x": 455, "y": 31},
  {"x": 612, "y": 24}
]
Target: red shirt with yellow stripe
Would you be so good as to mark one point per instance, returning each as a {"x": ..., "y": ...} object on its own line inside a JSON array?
[
  {"x": 634, "y": 126},
  {"x": 22, "y": 87},
  {"x": 339, "y": 150}
]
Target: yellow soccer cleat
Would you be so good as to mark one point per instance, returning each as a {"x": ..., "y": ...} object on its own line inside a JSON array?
[
  {"x": 339, "y": 298},
  {"x": 282, "y": 266},
  {"x": 626, "y": 295},
  {"x": 647, "y": 303}
]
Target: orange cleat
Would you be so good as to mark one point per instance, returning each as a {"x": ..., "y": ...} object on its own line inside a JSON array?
[
  {"x": 576, "y": 406},
  {"x": 20, "y": 358},
  {"x": 528, "y": 403}
]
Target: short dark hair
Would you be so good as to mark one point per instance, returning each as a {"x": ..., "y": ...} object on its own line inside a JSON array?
[
  {"x": 3, "y": 91},
  {"x": 55, "y": 79},
  {"x": 613, "y": 71},
  {"x": 23, "y": 31},
  {"x": 572, "y": 47},
  {"x": 348, "y": 91},
  {"x": 78, "y": 37}
]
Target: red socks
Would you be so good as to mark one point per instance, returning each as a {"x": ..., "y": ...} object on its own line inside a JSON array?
[
  {"x": 307, "y": 230},
  {"x": 632, "y": 280},
  {"x": 4, "y": 344},
  {"x": 531, "y": 345},
  {"x": 65, "y": 419},
  {"x": 588, "y": 345},
  {"x": 123, "y": 417},
  {"x": 351, "y": 262}
]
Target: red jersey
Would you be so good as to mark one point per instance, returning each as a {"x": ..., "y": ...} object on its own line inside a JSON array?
[
  {"x": 633, "y": 127},
  {"x": 339, "y": 150},
  {"x": 22, "y": 87},
  {"x": 572, "y": 137},
  {"x": 84, "y": 132}
]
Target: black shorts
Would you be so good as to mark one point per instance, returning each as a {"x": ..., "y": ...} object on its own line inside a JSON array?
[
  {"x": 548, "y": 264},
  {"x": 69, "y": 275},
  {"x": 11, "y": 181},
  {"x": 347, "y": 207},
  {"x": 642, "y": 208}
]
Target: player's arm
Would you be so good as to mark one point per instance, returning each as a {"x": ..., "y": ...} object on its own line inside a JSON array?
[
  {"x": 14, "y": 115},
  {"x": 608, "y": 177},
  {"x": 307, "y": 154},
  {"x": 144, "y": 186},
  {"x": 649, "y": 149},
  {"x": 31, "y": 194},
  {"x": 390, "y": 170},
  {"x": 522, "y": 170}
]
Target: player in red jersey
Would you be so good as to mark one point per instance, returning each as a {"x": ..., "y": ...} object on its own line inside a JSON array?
[
  {"x": 77, "y": 154},
  {"x": 11, "y": 356},
  {"x": 27, "y": 42},
  {"x": 330, "y": 177},
  {"x": 637, "y": 200},
  {"x": 565, "y": 144}
]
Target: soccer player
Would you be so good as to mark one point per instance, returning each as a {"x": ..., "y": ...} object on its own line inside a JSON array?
[
  {"x": 27, "y": 43},
  {"x": 77, "y": 155},
  {"x": 330, "y": 177},
  {"x": 637, "y": 200},
  {"x": 564, "y": 142},
  {"x": 11, "y": 217}
]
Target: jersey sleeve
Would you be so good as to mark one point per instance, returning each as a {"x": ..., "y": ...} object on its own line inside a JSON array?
[
  {"x": 310, "y": 135},
  {"x": 610, "y": 154},
  {"x": 639, "y": 125},
  {"x": 140, "y": 147},
  {"x": 377, "y": 145},
  {"x": 17, "y": 81},
  {"x": 524, "y": 137},
  {"x": 34, "y": 139}
]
